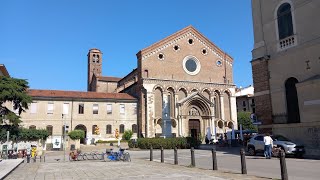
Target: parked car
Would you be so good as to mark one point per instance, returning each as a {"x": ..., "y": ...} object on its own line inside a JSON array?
[{"x": 256, "y": 145}]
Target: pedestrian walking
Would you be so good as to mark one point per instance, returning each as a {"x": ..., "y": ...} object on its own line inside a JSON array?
[{"x": 268, "y": 144}]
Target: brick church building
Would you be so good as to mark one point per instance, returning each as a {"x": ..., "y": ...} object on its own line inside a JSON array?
[{"x": 183, "y": 84}]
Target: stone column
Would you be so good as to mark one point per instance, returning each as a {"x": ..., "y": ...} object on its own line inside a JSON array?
[
  {"x": 222, "y": 107},
  {"x": 166, "y": 126},
  {"x": 176, "y": 98},
  {"x": 233, "y": 110},
  {"x": 150, "y": 115}
]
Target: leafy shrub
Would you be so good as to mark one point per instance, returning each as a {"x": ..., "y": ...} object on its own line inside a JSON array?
[
  {"x": 76, "y": 134},
  {"x": 127, "y": 135},
  {"x": 24, "y": 134},
  {"x": 167, "y": 143}
]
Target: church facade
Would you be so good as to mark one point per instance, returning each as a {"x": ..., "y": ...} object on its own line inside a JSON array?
[{"x": 183, "y": 85}]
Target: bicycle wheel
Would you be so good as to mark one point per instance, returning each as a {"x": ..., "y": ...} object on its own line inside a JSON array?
[
  {"x": 85, "y": 157},
  {"x": 126, "y": 157}
]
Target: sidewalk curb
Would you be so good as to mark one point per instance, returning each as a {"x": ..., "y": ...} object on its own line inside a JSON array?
[{"x": 1, "y": 178}]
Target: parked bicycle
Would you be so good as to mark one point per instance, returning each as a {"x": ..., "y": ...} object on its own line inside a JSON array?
[
  {"x": 117, "y": 156},
  {"x": 76, "y": 155}
]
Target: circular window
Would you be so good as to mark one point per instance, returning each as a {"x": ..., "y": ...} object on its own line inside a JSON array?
[
  {"x": 176, "y": 48},
  {"x": 161, "y": 56},
  {"x": 191, "y": 65},
  {"x": 190, "y": 41},
  {"x": 219, "y": 63},
  {"x": 204, "y": 51}
]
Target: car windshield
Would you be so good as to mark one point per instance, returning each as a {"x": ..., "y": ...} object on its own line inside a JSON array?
[{"x": 280, "y": 138}]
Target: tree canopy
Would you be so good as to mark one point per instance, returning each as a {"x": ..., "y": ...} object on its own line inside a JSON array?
[
  {"x": 15, "y": 91},
  {"x": 245, "y": 120}
]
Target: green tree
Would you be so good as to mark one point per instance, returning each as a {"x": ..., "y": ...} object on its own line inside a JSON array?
[
  {"x": 76, "y": 134},
  {"x": 127, "y": 135},
  {"x": 15, "y": 91},
  {"x": 245, "y": 120}
]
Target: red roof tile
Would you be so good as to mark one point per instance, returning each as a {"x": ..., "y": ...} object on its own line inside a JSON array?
[{"x": 78, "y": 94}]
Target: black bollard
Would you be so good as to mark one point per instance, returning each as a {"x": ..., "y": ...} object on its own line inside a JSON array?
[
  {"x": 193, "y": 162},
  {"x": 283, "y": 166},
  {"x": 175, "y": 155},
  {"x": 44, "y": 158},
  {"x": 243, "y": 161},
  {"x": 162, "y": 160},
  {"x": 214, "y": 160},
  {"x": 40, "y": 158},
  {"x": 151, "y": 153}
]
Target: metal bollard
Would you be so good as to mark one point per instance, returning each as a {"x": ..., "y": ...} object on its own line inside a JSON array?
[
  {"x": 283, "y": 166},
  {"x": 151, "y": 153},
  {"x": 35, "y": 159},
  {"x": 193, "y": 162},
  {"x": 243, "y": 161},
  {"x": 162, "y": 160},
  {"x": 40, "y": 158},
  {"x": 44, "y": 158},
  {"x": 214, "y": 160},
  {"x": 175, "y": 155}
]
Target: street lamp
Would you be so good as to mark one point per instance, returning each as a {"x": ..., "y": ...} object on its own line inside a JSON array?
[{"x": 64, "y": 138}]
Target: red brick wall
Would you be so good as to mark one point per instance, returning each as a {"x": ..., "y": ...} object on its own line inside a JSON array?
[{"x": 260, "y": 74}]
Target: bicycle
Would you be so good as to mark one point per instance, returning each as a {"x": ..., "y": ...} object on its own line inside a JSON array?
[{"x": 117, "y": 156}]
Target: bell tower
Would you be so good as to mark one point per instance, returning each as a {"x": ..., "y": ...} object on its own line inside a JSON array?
[{"x": 94, "y": 68}]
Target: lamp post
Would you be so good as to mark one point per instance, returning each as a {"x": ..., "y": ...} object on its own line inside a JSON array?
[{"x": 64, "y": 138}]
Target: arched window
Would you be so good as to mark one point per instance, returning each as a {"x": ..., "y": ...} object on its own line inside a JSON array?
[
  {"x": 284, "y": 16},
  {"x": 134, "y": 128},
  {"x": 49, "y": 129},
  {"x": 32, "y": 127},
  {"x": 121, "y": 128},
  {"x": 292, "y": 101},
  {"x": 109, "y": 129}
]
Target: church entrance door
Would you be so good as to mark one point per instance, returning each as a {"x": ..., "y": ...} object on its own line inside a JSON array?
[
  {"x": 194, "y": 128},
  {"x": 83, "y": 128}
]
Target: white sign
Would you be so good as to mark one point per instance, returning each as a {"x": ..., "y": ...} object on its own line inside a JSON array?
[{"x": 56, "y": 142}]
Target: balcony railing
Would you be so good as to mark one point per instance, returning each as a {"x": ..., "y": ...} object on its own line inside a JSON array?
[{"x": 287, "y": 42}]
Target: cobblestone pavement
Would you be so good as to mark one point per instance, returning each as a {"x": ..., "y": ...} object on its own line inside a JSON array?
[{"x": 96, "y": 169}]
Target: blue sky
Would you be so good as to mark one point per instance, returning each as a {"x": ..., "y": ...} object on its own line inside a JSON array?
[{"x": 46, "y": 42}]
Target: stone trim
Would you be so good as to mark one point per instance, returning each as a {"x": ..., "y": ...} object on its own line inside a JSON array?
[
  {"x": 175, "y": 83},
  {"x": 182, "y": 37}
]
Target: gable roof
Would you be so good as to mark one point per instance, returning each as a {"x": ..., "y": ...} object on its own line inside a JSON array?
[
  {"x": 172, "y": 39},
  {"x": 4, "y": 71},
  {"x": 78, "y": 94}
]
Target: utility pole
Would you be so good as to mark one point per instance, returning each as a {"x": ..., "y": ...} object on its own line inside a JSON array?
[{"x": 64, "y": 138}]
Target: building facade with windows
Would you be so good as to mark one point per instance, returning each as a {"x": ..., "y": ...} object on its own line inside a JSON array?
[
  {"x": 183, "y": 84},
  {"x": 286, "y": 69},
  {"x": 245, "y": 99},
  {"x": 97, "y": 114}
]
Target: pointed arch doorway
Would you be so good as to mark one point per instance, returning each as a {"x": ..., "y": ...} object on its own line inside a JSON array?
[{"x": 194, "y": 128}]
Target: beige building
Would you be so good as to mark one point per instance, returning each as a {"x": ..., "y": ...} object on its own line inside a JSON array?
[
  {"x": 183, "y": 84},
  {"x": 98, "y": 114},
  {"x": 286, "y": 69},
  {"x": 245, "y": 99}
]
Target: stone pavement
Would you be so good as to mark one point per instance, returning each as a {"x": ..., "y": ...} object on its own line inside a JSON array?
[
  {"x": 96, "y": 169},
  {"x": 6, "y": 166}
]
